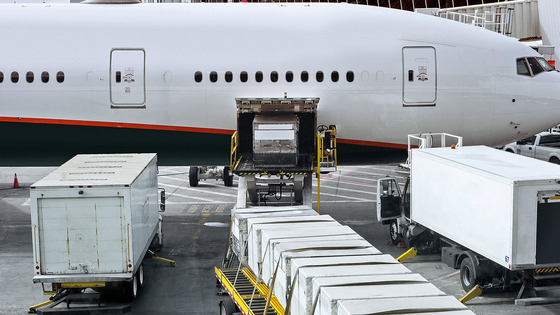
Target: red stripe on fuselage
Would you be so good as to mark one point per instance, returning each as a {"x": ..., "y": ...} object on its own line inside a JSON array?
[{"x": 170, "y": 128}]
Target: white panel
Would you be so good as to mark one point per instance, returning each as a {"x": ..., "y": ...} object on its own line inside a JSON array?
[{"x": 81, "y": 235}]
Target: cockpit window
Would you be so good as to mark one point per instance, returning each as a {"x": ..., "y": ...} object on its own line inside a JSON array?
[
  {"x": 531, "y": 66},
  {"x": 545, "y": 64},
  {"x": 522, "y": 68},
  {"x": 535, "y": 66}
]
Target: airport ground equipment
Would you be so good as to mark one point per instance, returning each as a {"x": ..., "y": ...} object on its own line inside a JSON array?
[
  {"x": 275, "y": 253},
  {"x": 93, "y": 220},
  {"x": 543, "y": 146},
  {"x": 492, "y": 214},
  {"x": 198, "y": 173},
  {"x": 277, "y": 147}
]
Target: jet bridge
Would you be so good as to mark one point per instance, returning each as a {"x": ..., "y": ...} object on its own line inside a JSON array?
[{"x": 275, "y": 148}]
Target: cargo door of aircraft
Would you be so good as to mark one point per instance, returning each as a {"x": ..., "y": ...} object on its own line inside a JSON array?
[
  {"x": 128, "y": 78},
  {"x": 419, "y": 76}
]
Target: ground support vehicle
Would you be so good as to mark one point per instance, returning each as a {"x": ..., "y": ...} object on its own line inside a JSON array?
[
  {"x": 543, "y": 146},
  {"x": 198, "y": 173},
  {"x": 492, "y": 214},
  {"x": 93, "y": 220}
]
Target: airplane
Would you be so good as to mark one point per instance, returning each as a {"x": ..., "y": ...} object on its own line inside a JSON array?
[{"x": 104, "y": 78}]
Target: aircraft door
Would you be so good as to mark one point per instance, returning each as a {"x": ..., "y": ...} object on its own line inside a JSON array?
[
  {"x": 389, "y": 199},
  {"x": 127, "y": 86},
  {"x": 419, "y": 76}
]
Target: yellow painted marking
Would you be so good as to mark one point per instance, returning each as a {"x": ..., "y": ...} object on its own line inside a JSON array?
[
  {"x": 555, "y": 198},
  {"x": 193, "y": 208},
  {"x": 206, "y": 208},
  {"x": 82, "y": 285},
  {"x": 220, "y": 208}
]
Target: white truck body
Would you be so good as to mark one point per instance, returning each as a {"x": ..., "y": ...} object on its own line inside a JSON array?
[
  {"x": 440, "y": 305},
  {"x": 502, "y": 206},
  {"x": 94, "y": 217},
  {"x": 543, "y": 146}
]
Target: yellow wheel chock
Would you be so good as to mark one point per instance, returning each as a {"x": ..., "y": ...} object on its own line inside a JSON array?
[
  {"x": 474, "y": 292},
  {"x": 408, "y": 254}
]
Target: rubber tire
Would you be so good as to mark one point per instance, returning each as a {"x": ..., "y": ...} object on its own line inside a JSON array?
[
  {"x": 140, "y": 277},
  {"x": 509, "y": 150},
  {"x": 193, "y": 176},
  {"x": 228, "y": 179},
  {"x": 396, "y": 237},
  {"x": 554, "y": 160},
  {"x": 130, "y": 289},
  {"x": 468, "y": 274},
  {"x": 227, "y": 307}
]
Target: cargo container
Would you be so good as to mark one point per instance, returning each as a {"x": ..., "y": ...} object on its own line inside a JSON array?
[{"x": 93, "y": 220}]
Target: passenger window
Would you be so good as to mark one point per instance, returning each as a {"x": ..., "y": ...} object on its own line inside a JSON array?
[
  {"x": 229, "y": 76},
  {"x": 535, "y": 66},
  {"x": 15, "y": 77},
  {"x": 1, "y": 76},
  {"x": 319, "y": 76},
  {"x": 304, "y": 76},
  {"x": 243, "y": 76},
  {"x": 30, "y": 77},
  {"x": 350, "y": 76},
  {"x": 258, "y": 76},
  {"x": 289, "y": 76},
  {"x": 45, "y": 77},
  {"x": 213, "y": 76},
  {"x": 198, "y": 76},
  {"x": 334, "y": 76},
  {"x": 274, "y": 76},
  {"x": 60, "y": 77},
  {"x": 522, "y": 68}
]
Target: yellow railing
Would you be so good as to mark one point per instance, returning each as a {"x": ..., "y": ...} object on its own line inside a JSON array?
[
  {"x": 233, "y": 151},
  {"x": 326, "y": 156}
]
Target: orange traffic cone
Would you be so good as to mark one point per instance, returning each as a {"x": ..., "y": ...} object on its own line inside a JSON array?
[{"x": 16, "y": 183}]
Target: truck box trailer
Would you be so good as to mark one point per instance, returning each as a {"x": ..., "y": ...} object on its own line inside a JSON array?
[
  {"x": 93, "y": 219},
  {"x": 497, "y": 210},
  {"x": 440, "y": 305}
]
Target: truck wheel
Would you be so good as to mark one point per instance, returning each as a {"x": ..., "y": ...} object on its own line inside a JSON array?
[
  {"x": 509, "y": 150},
  {"x": 227, "y": 307},
  {"x": 554, "y": 160},
  {"x": 130, "y": 289},
  {"x": 228, "y": 178},
  {"x": 140, "y": 276},
  {"x": 193, "y": 176},
  {"x": 396, "y": 238},
  {"x": 468, "y": 274}
]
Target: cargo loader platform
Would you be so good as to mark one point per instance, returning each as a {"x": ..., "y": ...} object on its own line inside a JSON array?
[{"x": 250, "y": 296}]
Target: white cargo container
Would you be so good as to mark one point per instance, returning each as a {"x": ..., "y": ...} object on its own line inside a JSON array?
[
  {"x": 440, "y": 305},
  {"x": 93, "y": 219},
  {"x": 331, "y": 296},
  {"x": 373, "y": 265},
  {"x": 260, "y": 235},
  {"x": 500, "y": 209},
  {"x": 239, "y": 217}
]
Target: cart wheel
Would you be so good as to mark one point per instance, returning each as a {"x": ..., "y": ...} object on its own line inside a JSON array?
[
  {"x": 228, "y": 178},
  {"x": 193, "y": 176},
  {"x": 130, "y": 289},
  {"x": 396, "y": 237},
  {"x": 468, "y": 274},
  {"x": 227, "y": 307},
  {"x": 140, "y": 276}
]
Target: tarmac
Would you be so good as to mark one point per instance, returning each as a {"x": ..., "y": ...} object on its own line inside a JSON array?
[{"x": 196, "y": 226}]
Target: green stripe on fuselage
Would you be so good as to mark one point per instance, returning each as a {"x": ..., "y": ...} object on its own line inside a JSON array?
[{"x": 31, "y": 144}]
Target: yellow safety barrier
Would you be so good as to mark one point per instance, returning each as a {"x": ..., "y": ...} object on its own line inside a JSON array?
[{"x": 165, "y": 260}]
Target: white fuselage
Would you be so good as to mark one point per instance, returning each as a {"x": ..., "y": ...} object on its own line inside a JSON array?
[{"x": 463, "y": 78}]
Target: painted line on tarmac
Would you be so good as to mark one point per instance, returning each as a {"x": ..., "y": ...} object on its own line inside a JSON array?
[
  {"x": 200, "y": 191},
  {"x": 342, "y": 196}
]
